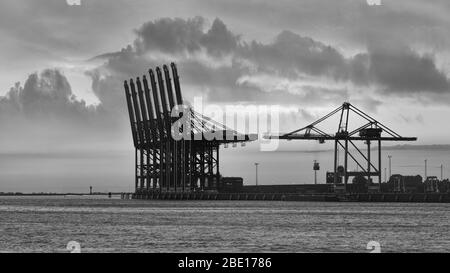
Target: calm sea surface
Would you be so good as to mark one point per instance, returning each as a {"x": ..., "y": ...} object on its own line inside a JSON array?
[
  {"x": 113, "y": 171},
  {"x": 47, "y": 224}
]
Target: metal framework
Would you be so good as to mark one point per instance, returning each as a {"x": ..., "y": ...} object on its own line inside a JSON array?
[
  {"x": 371, "y": 131},
  {"x": 163, "y": 164}
]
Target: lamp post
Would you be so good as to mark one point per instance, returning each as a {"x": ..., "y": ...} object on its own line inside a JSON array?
[
  {"x": 256, "y": 166},
  {"x": 390, "y": 166},
  {"x": 426, "y": 173}
]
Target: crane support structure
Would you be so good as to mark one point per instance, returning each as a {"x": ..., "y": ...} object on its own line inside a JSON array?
[
  {"x": 345, "y": 139},
  {"x": 162, "y": 162}
]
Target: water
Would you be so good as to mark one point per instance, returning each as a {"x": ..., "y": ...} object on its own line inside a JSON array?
[
  {"x": 47, "y": 224},
  {"x": 113, "y": 171}
]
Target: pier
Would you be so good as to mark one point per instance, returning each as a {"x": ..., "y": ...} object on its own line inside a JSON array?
[{"x": 356, "y": 197}]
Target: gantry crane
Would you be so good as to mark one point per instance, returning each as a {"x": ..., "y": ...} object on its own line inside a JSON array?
[
  {"x": 163, "y": 163},
  {"x": 370, "y": 131}
]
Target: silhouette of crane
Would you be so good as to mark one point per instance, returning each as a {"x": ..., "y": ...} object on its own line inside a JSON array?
[{"x": 370, "y": 131}]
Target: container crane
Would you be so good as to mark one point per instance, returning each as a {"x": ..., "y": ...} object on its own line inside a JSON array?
[{"x": 371, "y": 131}]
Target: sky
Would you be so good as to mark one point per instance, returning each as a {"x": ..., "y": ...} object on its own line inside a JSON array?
[{"x": 62, "y": 66}]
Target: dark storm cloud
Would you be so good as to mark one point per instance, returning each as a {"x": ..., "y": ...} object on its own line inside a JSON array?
[
  {"x": 405, "y": 71},
  {"x": 170, "y": 35},
  {"x": 220, "y": 63},
  {"x": 217, "y": 61},
  {"x": 291, "y": 69},
  {"x": 291, "y": 53},
  {"x": 177, "y": 35},
  {"x": 395, "y": 68},
  {"x": 344, "y": 21}
]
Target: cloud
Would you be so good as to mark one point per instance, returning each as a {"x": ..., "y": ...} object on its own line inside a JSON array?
[
  {"x": 218, "y": 64},
  {"x": 178, "y": 35},
  {"x": 44, "y": 114},
  {"x": 215, "y": 62},
  {"x": 413, "y": 119},
  {"x": 170, "y": 35},
  {"x": 394, "y": 69},
  {"x": 348, "y": 23},
  {"x": 401, "y": 70},
  {"x": 45, "y": 95},
  {"x": 291, "y": 70},
  {"x": 291, "y": 53}
]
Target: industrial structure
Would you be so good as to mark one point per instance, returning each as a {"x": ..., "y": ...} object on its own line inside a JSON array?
[
  {"x": 162, "y": 162},
  {"x": 370, "y": 130},
  {"x": 177, "y": 153}
]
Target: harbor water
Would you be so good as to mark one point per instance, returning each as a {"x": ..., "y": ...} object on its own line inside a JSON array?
[{"x": 100, "y": 224}]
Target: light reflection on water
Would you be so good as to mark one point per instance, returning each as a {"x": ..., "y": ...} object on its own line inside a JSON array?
[{"x": 35, "y": 224}]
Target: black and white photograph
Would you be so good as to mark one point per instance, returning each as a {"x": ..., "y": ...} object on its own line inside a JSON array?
[{"x": 224, "y": 131}]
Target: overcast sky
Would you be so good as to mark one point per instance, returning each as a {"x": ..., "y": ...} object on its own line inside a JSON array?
[{"x": 62, "y": 67}]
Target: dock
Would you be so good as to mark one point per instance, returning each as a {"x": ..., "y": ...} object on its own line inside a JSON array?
[{"x": 357, "y": 197}]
